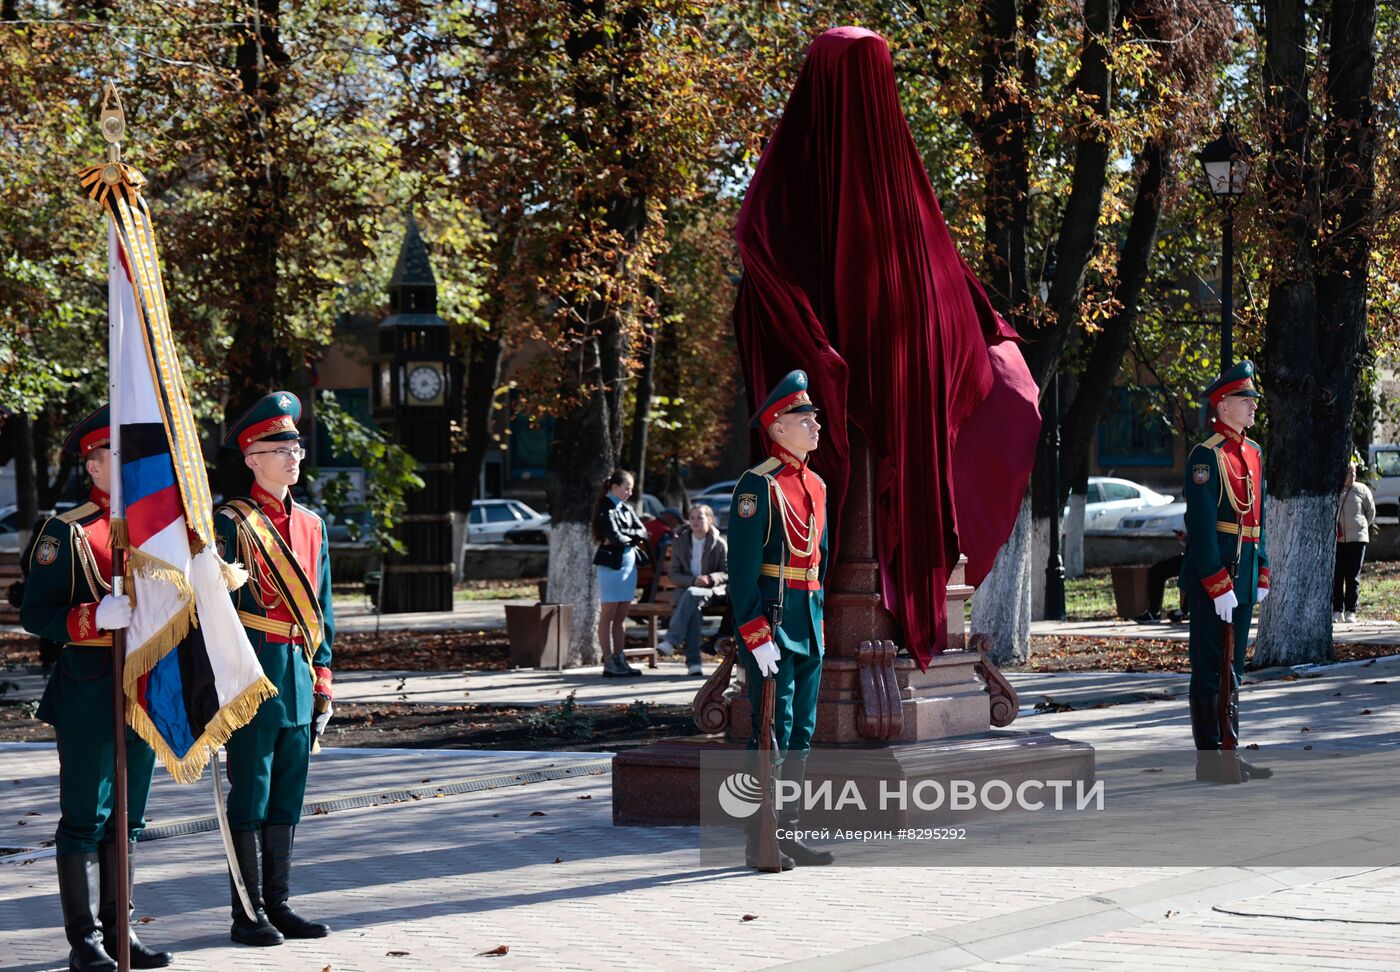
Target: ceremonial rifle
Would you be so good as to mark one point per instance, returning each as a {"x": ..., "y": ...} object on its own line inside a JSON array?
[
  {"x": 767, "y": 813},
  {"x": 1230, "y": 769},
  {"x": 1229, "y": 702}
]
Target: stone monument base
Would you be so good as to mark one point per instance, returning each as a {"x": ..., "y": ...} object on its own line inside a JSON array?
[{"x": 660, "y": 785}]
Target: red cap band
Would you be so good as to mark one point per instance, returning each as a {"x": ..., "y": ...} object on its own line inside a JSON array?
[
  {"x": 1226, "y": 390},
  {"x": 782, "y": 406},
  {"x": 278, "y": 423},
  {"x": 95, "y": 439}
]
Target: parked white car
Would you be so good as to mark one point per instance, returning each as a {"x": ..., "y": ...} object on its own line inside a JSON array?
[
  {"x": 1385, "y": 460},
  {"x": 1156, "y": 521},
  {"x": 490, "y": 520},
  {"x": 722, "y": 488},
  {"x": 1108, "y": 500}
]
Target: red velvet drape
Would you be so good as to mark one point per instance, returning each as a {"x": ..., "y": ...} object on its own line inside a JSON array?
[{"x": 850, "y": 274}]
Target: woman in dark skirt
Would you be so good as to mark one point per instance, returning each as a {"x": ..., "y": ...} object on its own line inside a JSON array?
[{"x": 619, "y": 532}]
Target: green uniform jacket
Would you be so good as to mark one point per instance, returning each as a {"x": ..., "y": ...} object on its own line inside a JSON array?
[
  {"x": 758, "y": 539},
  {"x": 284, "y": 665},
  {"x": 1210, "y": 551},
  {"x": 63, "y": 575}
]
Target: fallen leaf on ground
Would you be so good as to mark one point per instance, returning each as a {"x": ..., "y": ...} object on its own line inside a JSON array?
[
  {"x": 586, "y": 796},
  {"x": 397, "y": 953},
  {"x": 1305, "y": 729},
  {"x": 498, "y": 950},
  {"x": 1365, "y": 711},
  {"x": 748, "y": 918},
  {"x": 538, "y": 813},
  {"x": 559, "y": 860}
]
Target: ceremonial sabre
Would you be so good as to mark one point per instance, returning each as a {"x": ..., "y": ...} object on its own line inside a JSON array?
[{"x": 221, "y": 813}]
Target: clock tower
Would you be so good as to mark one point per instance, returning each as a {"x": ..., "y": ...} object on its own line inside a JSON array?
[{"x": 415, "y": 390}]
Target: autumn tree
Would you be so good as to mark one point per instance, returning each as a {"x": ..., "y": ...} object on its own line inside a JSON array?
[{"x": 1320, "y": 118}]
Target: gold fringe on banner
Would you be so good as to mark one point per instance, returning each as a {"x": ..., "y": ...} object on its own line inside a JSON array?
[
  {"x": 190, "y": 767},
  {"x": 118, "y": 538},
  {"x": 235, "y": 576},
  {"x": 143, "y": 659}
]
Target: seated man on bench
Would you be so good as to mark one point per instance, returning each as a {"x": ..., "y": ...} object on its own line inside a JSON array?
[{"x": 699, "y": 570}]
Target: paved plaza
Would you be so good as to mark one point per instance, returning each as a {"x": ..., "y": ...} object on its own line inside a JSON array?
[{"x": 437, "y": 859}]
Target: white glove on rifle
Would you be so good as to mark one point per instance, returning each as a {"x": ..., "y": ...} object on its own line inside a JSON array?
[
  {"x": 1225, "y": 606},
  {"x": 767, "y": 655},
  {"x": 319, "y": 724},
  {"x": 114, "y": 612},
  {"x": 1259, "y": 594}
]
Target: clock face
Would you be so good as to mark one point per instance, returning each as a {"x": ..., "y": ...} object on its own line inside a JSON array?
[{"x": 425, "y": 383}]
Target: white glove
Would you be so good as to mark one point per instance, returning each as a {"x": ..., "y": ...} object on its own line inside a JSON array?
[
  {"x": 319, "y": 724},
  {"x": 767, "y": 655},
  {"x": 114, "y": 612},
  {"x": 1225, "y": 606},
  {"x": 1259, "y": 594}
]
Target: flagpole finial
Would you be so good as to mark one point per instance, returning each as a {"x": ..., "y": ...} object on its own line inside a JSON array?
[{"x": 112, "y": 121}]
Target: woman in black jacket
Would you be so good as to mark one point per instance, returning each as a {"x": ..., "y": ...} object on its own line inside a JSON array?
[{"x": 619, "y": 533}]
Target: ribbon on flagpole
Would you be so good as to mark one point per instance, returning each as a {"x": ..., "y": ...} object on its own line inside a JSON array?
[{"x": 184, "y": 703}]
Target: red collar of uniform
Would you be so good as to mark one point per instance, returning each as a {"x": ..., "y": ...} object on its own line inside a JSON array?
[
  {"x": 788, "y": 459},
  {"x": 265, "y": 499},
  {"x": 1229, "y": 433},
  {"x": 100, "y": 498}
]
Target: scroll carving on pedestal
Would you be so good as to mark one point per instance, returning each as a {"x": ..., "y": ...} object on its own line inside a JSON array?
[
  {"x": 1004, "y": 700},
  {"x": 880, "y": 716},
  {"x": 710, "y": 710}
]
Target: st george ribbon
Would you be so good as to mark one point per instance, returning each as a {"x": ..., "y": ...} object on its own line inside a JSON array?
[{"x": 191, "y": 676}]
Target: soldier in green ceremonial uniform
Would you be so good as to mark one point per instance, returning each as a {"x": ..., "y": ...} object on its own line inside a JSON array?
[
  {"x": 286, "y": 609},
  {"x": 777, "y": 566},
  {"x": 68, "y": 599},
  {"x": 1226, "y": 568}
]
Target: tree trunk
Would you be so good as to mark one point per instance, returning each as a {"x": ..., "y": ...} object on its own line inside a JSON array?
[
  {"x": 1074, "y": 536},
  {"x": 589, "y": 437},
  {"x": 26, "y": 478},
  {"x": 1001, "y": 606},
  {"x": 641, "y": 414},
  {"x": 1316, "y": 325},
  {"x": 252, "y": 372},
  {"x": 1095, "y": 386}
]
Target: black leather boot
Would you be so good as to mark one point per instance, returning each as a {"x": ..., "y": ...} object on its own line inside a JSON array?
[
  {"x": 1205, "y": 732},
  {"x": 141, "y": 956},
  {"x": 277, "y": 868},
  {"x": 1250, "y": 771},
  {"x": 78, "y": 879},
  {"x": 794, "y": 770},
  {"x": 252, "y": 929}
]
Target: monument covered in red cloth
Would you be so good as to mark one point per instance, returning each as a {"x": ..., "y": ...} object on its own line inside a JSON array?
[{"x": 851, "y": 275}]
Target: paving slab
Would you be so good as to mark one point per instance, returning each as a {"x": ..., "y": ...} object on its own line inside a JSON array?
[{"x": 438, "y": 881}]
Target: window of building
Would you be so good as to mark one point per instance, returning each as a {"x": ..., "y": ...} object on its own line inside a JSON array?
[
  {"x": 1136, "y": 429},
  {"x": 355, "y": 401}
]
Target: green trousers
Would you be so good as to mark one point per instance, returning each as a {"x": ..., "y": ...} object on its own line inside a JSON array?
[
  {"x": 267, "y": 775},
  {"x": 86, "y": 778},
  {"x": 1207, "y": 635},
  {"x": 794, "y": 699}
]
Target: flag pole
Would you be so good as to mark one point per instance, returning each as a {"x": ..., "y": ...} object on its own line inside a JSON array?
[{"x": 113, "y": 125}]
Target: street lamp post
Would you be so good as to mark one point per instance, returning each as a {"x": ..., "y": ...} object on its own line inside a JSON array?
[{"x": 1225, "y": 163}]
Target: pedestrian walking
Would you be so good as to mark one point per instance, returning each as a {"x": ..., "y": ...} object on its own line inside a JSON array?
[{"x": 1356, "y": 522}]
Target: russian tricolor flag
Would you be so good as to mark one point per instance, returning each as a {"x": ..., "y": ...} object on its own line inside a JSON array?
[{"x": 191, "y": 675}]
